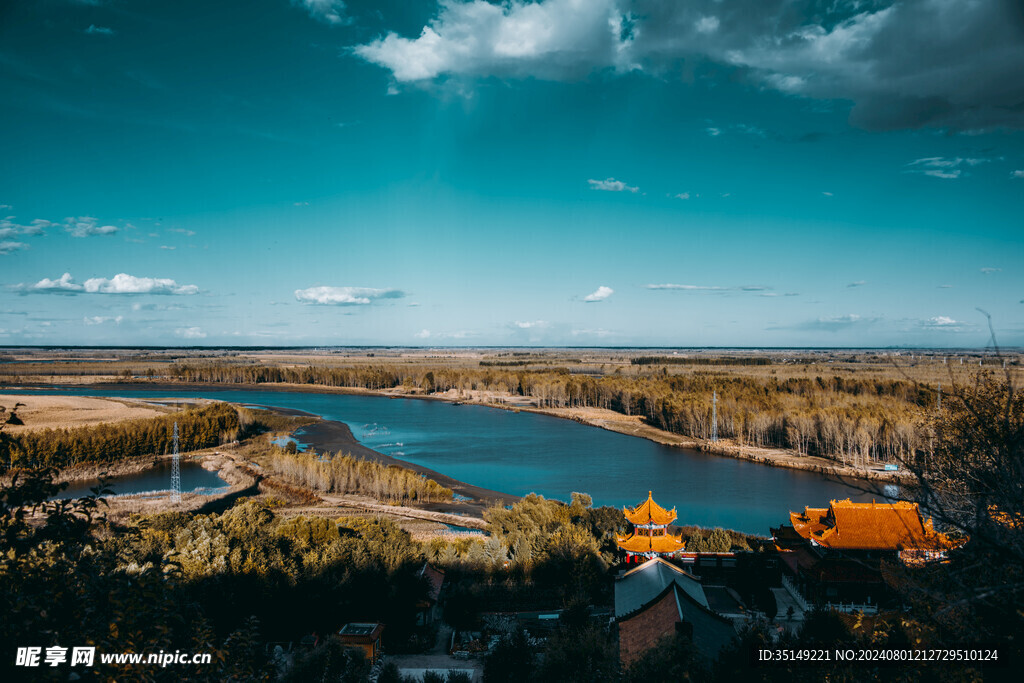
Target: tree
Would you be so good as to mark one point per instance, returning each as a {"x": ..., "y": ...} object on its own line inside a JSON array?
[
  {"x": 973, "y": 484},
  {"x": 330, "y": 661},
  {"x": 511, "y": 660},
  {"x": 673, "y": 659},
  {"x": 580, "y": 655}
]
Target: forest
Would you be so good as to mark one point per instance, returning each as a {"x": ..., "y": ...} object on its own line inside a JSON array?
[
  {"x": 198, "y": 427},
  {"x": 849, "y": 419},
  {"x": 345, "y": 474}
]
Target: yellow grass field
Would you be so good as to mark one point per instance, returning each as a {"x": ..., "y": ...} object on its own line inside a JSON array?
[{"x": 59, "y": 412}]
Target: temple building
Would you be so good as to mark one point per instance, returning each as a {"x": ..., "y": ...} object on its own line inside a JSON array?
[
  {"x": 650, "y": 537},
  {"x": 836, "y": 555},
  {"x": 658, "y": 599}
]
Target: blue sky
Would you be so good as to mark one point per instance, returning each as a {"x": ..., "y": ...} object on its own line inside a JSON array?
[{"x": 609, "y": 172}]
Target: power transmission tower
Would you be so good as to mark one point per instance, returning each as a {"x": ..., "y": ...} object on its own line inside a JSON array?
[
  {"x": 714, "y": 416},
  {"x": 176, "y": 470}
]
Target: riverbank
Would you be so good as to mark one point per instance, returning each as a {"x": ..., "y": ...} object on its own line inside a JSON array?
[
  {"x": 773, "y": 457},
  {"x": 119, "y": 508},
  {"x": 337, "y": 437},
  {"x": 595, "y": 417}
]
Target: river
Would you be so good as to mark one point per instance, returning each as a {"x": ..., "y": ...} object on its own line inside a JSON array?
[
  {"x": 194, "y": 479},
  {"x": 520, "y": 453}
]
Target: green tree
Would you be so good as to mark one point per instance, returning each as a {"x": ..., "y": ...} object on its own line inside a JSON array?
[
  {"x": 511, "y": 661},
  {"x": 580, "y": 655}
]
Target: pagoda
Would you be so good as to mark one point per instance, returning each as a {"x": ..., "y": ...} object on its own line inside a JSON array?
[{"x": 650, "y": 537}]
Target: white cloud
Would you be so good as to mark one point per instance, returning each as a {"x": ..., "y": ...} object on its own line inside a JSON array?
[
  {"x": 683, "y": 195},
  {"x": 687, "y": 288},
  {"x": 10, "y": 246},
  {"x": 938, "y": 173},
  {"x": 828, "y": 194},
  {"x": 600, "y": 294},
  {"x": 8, "y": 228},
  {"x": 713, "y": 132},
  {"x": 858, "y": 283},
  {"x": 64, "y": 283},
  {"x": 167, "y": 248},
  {"x": 100, "y": 319},
  {"x": 182, "y": 231},
  {"x": 990, "y": 271},
  {"x": 834, "y": 323},
  {"x": 706, "y": 25},
  {"x": 942, "y": 63},
  {"x": 943, "y": 167},
  {"x": 526, "y": 325},
  {"x": 1017, "y": 174},
  {"x": 611, "y": 185},
  {"x": 709, "y": 288},
  {"x": 95, "y": 30},
  {"x": 122, "y": 283},
  {"x": 345, "y": 296},
  {"x": 941, "y": 321},
  {"x": 87, "y": 226},
  {"x": 329, "y": 11},
  {"x": 190, "y": 333},
  {"x": 427, "y": 334},
  {"x": 553, "y": 39},
  {"x": 600, "y": 333}
]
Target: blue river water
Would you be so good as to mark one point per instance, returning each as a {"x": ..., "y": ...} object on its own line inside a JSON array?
[
  {"x": 194, "y": 479},
  {"x": 520, "y": 453}
]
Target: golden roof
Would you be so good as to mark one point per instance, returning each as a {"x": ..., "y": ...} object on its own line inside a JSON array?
[
  {"x": 846, "y": 525},
  {"x": 651, "y": 544},
  {"x": 649, "y": 512}
]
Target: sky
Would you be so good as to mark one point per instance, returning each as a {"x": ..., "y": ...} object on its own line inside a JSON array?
[{"x": 556, "y": 173}]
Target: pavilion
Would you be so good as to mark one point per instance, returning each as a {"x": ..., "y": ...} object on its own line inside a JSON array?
[{"x": 649, "y": 537}]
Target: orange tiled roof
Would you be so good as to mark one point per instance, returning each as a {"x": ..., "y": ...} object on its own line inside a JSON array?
[
  {"x": 649, "y": 544},
  {"x": 649, "y": 512},
  {"x": 846, "y": 525}
]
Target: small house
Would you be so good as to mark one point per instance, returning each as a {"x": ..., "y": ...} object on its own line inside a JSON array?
[{"x": 366, "y": 637}]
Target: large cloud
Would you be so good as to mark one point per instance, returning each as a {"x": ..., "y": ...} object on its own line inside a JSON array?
[
  {"x": 122, "y": 283},
  {"x": 345, "y": 296},
  {"x": 551, "y": 39},
  {"x": 911, "y": 63}
]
